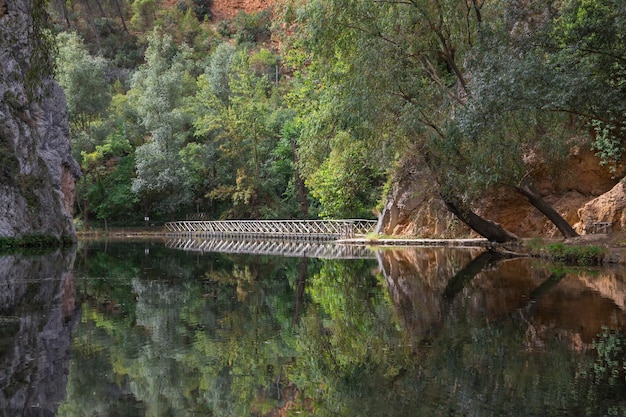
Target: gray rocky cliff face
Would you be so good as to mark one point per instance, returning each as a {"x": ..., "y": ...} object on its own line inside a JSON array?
[{"x": 37, "y": 171}]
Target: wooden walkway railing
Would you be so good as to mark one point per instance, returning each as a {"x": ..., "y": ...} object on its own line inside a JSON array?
[{"x": 286, "y": 229}]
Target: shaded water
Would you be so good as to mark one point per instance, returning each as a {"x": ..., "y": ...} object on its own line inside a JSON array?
[{"x": 140, "y": 329}]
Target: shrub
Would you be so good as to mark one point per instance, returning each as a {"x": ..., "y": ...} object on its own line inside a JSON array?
[{"x": 576, "y": 255}]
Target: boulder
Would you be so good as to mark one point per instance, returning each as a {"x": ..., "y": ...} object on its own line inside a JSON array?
[
  {"x": 414, "y": 208},
  {"x": 609, "y": 207}
]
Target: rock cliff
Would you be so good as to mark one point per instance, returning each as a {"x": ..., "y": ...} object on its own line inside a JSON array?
[
  {"x": 583, "y": 194},
  {"x": 37, "y": 171}
]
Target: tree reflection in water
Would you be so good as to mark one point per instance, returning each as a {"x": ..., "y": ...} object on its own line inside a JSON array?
[{"x": 418, "y": 332}]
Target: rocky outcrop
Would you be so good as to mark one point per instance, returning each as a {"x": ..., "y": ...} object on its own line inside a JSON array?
[
  {"x": 609, "y": 207},
  {"x": 37, "y": 170},
  {"x": 414, "y": 208},
  {"x": 583, "y": 190},
  {"x": 227, "y": 9}
]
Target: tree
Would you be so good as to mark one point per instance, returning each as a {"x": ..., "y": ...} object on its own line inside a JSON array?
[
  {"x": 159, "y": 90},
  {"x": 84, "y": 80},
  {"x": 108, "y": 172},
  {"x": 539, "y": 80},
  {"x": 343, "y": 184},
  {"x": 589, "y": 48},
  {"x": 237, "y": 113},
  {"x": 400, "y": 71},
  {"x": 286, "y": 163},
  {"x": 391, "y": 79}
]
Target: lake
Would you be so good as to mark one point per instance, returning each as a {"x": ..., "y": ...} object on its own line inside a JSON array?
[{"x": 162, "y": 329}]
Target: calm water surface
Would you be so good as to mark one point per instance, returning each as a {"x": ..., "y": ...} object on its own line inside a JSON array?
[{"x": 141, "y": 329}]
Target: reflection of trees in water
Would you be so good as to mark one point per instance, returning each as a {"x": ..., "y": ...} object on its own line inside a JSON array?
[
  {"x": 466, "y": 351},
  {"x": 427, "y": 333},
  {"x": 466, "y": 348},
  {"x": 205, "y": 334},
  {"x": 36, "y": 310}
]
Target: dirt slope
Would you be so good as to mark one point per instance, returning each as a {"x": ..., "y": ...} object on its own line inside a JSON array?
[{"x": 226, "y": 9}]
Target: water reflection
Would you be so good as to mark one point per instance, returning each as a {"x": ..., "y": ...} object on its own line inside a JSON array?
[
  {"x": 427, "y": 287},
  {"x": 36, "y": 312},
  {"x": 275, "y": 247},
  {"x": 428, "y": 331}
]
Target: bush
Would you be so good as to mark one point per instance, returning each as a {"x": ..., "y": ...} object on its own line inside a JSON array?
[{"x": 576, "y": 255}]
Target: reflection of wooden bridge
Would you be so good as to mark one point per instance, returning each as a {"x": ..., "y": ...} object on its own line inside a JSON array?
[
  {"x": 284, "y": 229},
  {"x": 290, "y": 247}
]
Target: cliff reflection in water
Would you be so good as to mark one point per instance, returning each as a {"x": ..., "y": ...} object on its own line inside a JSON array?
[
  {"x": 36, "y": 307},
  {"x": 428, "y": 286}
]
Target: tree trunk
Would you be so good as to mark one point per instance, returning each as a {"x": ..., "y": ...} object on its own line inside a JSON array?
[
  {"x": 119, "y": 11},
  {"x": 486, "y": 228},
  {"x": 64, "y": 14},
  {"x": 300, "y": 187},
  {"x": 529, "y": 191}
]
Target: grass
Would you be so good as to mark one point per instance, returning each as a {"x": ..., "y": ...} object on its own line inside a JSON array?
[{"x": 581, "y": 255}]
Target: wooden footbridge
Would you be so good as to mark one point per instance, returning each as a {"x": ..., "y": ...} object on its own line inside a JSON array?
[
  {"x": 263, "y": 229},
  {"x": 275, "y": 247}
]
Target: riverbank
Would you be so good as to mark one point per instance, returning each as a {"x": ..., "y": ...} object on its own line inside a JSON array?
[
  {"x": 597, "y": 249},
  {"x": 610, "y": 248}
]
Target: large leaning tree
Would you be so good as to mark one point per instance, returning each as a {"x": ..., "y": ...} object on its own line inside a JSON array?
[{"x": 471, "y": 85}]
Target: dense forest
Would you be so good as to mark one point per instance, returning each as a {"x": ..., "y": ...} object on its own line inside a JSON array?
[{"x": 310, "y": 108}]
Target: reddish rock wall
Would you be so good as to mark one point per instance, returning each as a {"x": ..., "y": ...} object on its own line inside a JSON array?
[
  {"x": 609, "y": 207},
  {"x": 583, "y": 189},
  {"x": 227, "y": 9},
  {"x": 582, "y": 180}
]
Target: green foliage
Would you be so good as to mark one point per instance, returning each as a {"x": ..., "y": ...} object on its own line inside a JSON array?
[
  {"x": 144, "y": 14},
  {"x": 159, "y": 90},
  {"x": 110, "y": 196},
  {"x": 591, "y": 41},
  {"x": 247, "y": 28},
  {"x": 576, "y": 255},
  {"x": 345, "y": 185},
  {"x": 234, "y": 157},
  {"x": 84, "y": 80},
  {"x": 239, "y": 116}
]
